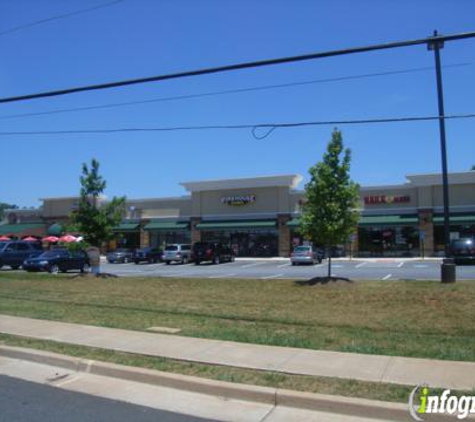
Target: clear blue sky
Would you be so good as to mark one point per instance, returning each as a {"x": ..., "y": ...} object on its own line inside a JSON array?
[{"x": 137, "y": 38}]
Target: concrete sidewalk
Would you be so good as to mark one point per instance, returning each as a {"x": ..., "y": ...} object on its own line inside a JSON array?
[{"x": 388, "y": 369}]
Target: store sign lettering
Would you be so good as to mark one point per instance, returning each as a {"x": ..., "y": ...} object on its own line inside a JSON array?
[
  {"x": 238, "y": 200},
  {"x": 386, "y": 199}
]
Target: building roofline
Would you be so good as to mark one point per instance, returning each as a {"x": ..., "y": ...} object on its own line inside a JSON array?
[{"x": 285, "y": 180}]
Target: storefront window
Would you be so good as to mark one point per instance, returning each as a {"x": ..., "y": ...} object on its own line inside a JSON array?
[
  {"x": 388, "y": 241},
  {"x": 162, "y": 238},
  {"x": 128, "y": 240},
  {"x": 246, "y": 242}
]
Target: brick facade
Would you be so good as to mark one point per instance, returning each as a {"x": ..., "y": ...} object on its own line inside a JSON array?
[{"x": 284, "y": 235}]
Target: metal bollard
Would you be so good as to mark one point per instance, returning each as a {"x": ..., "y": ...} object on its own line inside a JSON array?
[{"x": 448, "y": 271}]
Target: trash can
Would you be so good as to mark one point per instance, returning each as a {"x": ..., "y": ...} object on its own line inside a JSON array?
[{"x": 448, "y": 269}]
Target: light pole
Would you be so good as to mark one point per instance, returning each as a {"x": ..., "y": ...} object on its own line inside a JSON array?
[{"x": 448, "y": 266}]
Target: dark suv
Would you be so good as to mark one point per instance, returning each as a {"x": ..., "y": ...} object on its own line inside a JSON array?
[
  {"x": 463, "y": 250},
  {"x": 13, "y": 253},
  {"x": 210, "y": 251}
]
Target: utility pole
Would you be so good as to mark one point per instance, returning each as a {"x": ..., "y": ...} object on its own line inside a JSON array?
[{"x": 448, "y": 266}]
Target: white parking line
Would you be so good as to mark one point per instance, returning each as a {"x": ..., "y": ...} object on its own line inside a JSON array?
[
  {"x": 252, "y": 265},
  {"x": 284, "y": 265},
  {"x": 400, "y": 264},
  {"x": 386, "y": 277},
  {"x": 272, "y": 276},
  {"x": 222, "y": 275},
  {"x": 420, "y": 266},
  {"x": 360, "y": 265}
]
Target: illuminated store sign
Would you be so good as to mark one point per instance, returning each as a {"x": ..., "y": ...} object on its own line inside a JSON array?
[
  {"x": 238, "y": 200},
  {"x": 386, "y": 199}
]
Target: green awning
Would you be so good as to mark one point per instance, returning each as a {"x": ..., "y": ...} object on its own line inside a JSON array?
[
  {"x": 6, "y": 229},
  {"x": 228, "y": 225},
  {"x": 55, "y": 229},
  {"x": 388, "y": 220},
  {"x": 167, "y": 225},
  {"x": 126, "y": 227},
  {"x": 294, "y": 223},
  {"x": 456, "y": 219}
]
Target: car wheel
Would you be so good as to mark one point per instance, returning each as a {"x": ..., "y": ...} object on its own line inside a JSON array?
[
  {"x": 167, "y": 262},
  {"x": 136, "y": 262},
  {"x": 85, "y": 268},
  {"x": 216, "y": 260},
  {"x": 54, "y": 269},
  {"x": 184, "y": 261},
  {"x": 15, "y": 267},
  {"x": 126, "y": 260},
  {"x": 197, "y": 262}
]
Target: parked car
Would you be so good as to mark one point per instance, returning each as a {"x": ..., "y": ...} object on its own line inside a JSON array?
[
  {"x": 150, "y": 255},
  {"x": 306, "y": 255},
  {"x": 210, "y": 251},
  {"x": 14, "y": 252},
  {"x": 121, "y": 255},
  {"x": 463, "y": 250},
  {"x": 58, "y": 260},
  {"x": 177, "y": 253}
]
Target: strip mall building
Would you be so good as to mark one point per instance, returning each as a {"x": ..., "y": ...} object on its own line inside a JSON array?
[{"x": 259, "y": 216}]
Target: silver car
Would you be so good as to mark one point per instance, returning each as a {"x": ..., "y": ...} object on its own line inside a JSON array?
[
  {"x": 306, "y": 255},
  {"x": 177, "y": 253}
]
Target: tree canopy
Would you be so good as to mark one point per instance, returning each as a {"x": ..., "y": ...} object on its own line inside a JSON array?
[
  {"x": 330, "y": 213},
  {"x": 94, "y": 220}
]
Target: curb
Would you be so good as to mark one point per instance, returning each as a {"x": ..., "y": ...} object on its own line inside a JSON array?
[{"x": 277, "y": 397}]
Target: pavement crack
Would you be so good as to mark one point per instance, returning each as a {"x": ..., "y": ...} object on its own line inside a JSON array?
[{"x": 271, "y": 410}]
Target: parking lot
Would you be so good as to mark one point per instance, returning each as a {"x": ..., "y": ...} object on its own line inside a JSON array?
[{"x": 268, "y": 269}]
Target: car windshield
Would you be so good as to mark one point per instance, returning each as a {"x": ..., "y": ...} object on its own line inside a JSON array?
[
  {"x": 53, "y": 254},
  {"x": 2, "y": 245},
  {"x": 171, "y": 248},
  {"x": 302, "y": 249}
]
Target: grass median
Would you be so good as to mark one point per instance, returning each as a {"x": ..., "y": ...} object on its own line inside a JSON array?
[
  {"x": 413, "y": 318},
  {"x": 308, "y": 384}
]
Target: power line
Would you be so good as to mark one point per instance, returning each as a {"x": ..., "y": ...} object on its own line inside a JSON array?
[
  {"x": 269, "y": 126},
  {"x": 57, "y": 17},
  {"x": 227, "y": 92},
  {"x": 239, "y": 66}
]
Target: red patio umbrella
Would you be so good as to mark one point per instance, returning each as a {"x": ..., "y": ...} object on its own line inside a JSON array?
[
  {"x": 30, "y": 239},
  {"x": 67, "y": 239},
  {"x": 4, "y": 238},
  {"x": 50, "y": 239}
]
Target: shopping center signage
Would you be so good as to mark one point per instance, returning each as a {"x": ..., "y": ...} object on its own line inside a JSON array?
[
  {"x": 386, "y": 199},
  {"x": 238, "y": 200}
]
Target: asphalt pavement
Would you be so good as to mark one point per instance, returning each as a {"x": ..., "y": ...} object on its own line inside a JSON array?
[
  {"x": 268, "y": 269},
  {"x": 24, "y": 401}
]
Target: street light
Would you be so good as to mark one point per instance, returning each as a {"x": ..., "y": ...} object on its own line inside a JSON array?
[{"x": 448, "y": 266}]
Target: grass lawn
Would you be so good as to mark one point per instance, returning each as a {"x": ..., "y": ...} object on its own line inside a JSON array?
[{"x": 413, "y": 318}]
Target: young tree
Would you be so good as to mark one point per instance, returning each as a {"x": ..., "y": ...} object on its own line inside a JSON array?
[
  {"x": 330, "y": 214},
  {"x": 96, "y": 222}
]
